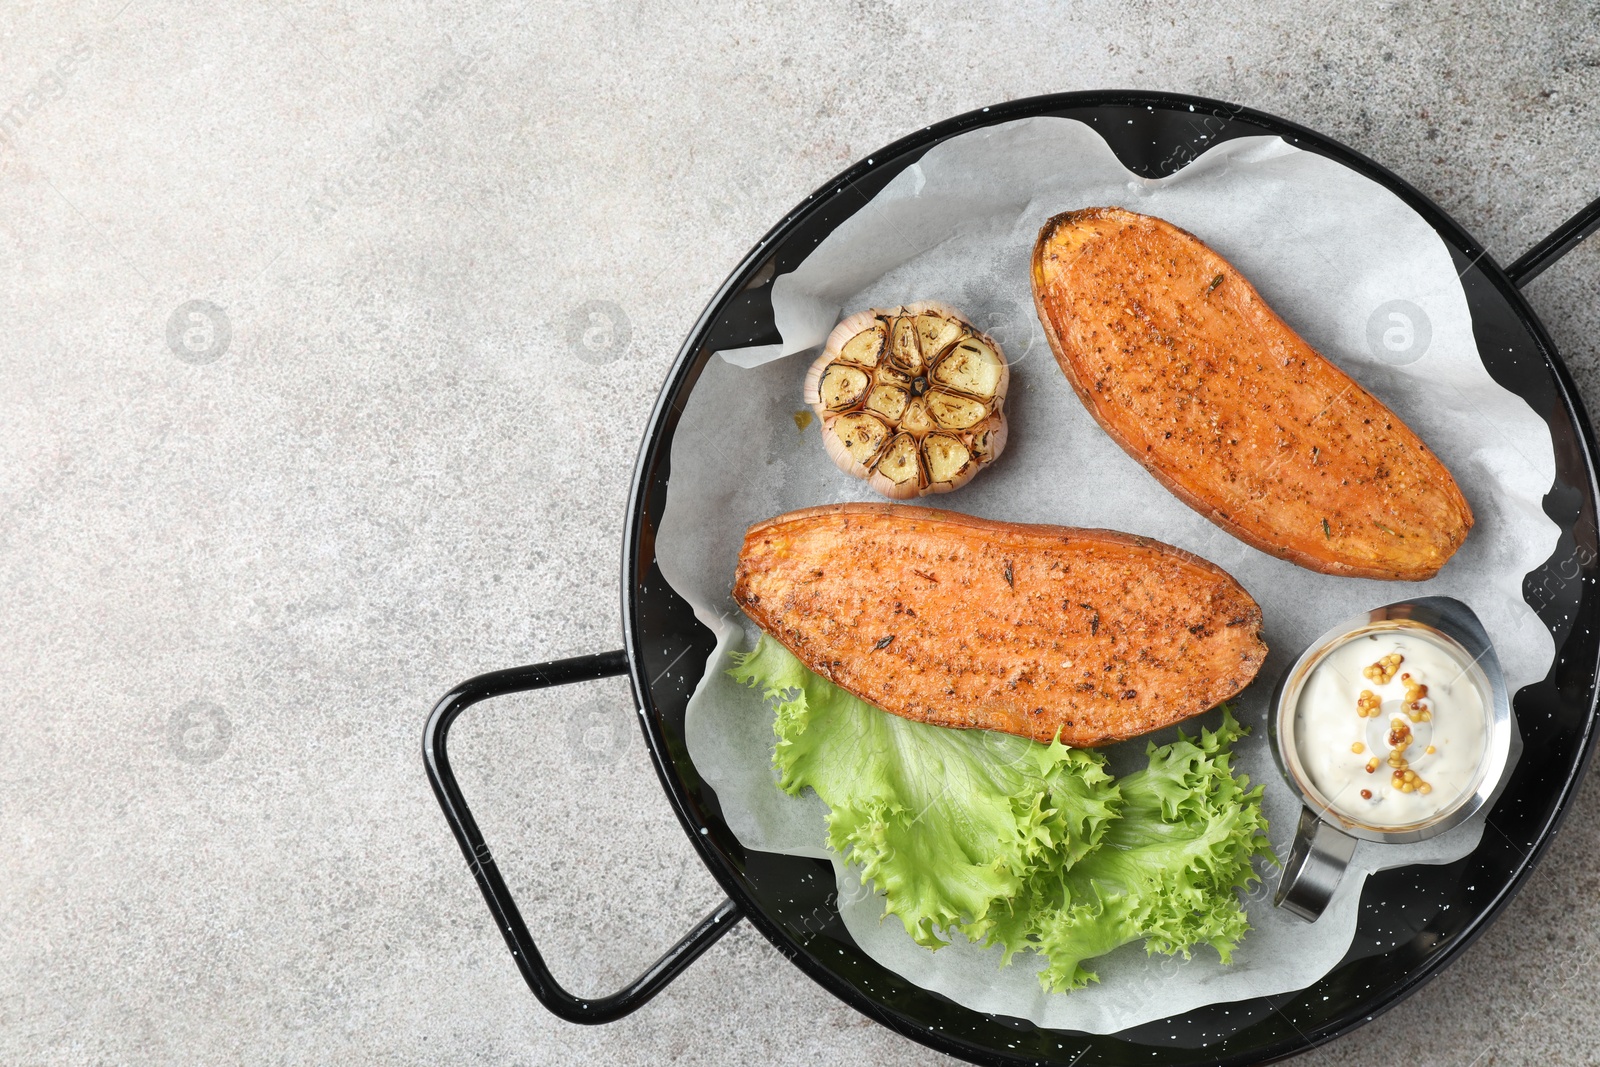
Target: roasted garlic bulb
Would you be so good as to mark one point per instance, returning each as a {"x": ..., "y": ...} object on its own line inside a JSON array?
[{"x": 911, "y": 398}]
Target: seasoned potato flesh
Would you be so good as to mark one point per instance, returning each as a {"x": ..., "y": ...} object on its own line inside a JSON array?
[
  {"x": 1186, "y": 367},
  {"x": 1040, "y": 631},
  {"x": 912, "y": 399}
]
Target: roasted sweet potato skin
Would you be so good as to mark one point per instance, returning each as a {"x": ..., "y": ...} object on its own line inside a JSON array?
[
  {"x": 1180, "y": 360},
  {"x": 970, "y": 623}
]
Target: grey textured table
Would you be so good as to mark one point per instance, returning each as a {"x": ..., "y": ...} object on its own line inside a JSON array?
[{"x": 246, "y": 542}]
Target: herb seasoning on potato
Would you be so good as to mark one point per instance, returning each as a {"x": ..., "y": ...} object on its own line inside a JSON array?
[
  {"x": 912, "y": 399},
  {"x": 1179, "y": 359},
  {"x": 1091, "y": 636}
]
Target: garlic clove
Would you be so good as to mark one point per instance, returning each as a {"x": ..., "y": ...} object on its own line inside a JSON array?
[
  {"x": 842, "y": 386},
  {"x": 946, "y": 457},
  {"x": 971, "y": 367},
  {"x": 936, "y": 333},
  {"x": 988, "y": 442},
  {"x": 904, "y": 351},
  {"x": 954, "y": 411},
  {"x": 861, "y": 436},
  {"x": 888, "y": 401},
  {"x": 886, "y": 373},
  {"x": 864, "y": 348},
  {"x": 917, "y": 419},
  {"x": 898, "y": 470}
]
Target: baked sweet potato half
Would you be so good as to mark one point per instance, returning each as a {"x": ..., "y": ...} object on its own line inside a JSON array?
[
  {"x": 1180, "y": 360},
  {"x": 1032, "y": 630}
]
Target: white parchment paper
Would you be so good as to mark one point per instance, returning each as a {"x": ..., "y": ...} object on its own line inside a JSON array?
[{"x": 1330, "y": 251}]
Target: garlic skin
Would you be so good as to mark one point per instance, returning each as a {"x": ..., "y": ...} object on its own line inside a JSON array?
[{"x": 911, "y": 399}]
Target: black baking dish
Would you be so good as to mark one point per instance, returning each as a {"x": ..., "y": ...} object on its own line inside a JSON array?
[{"x": 790, "y": 899}]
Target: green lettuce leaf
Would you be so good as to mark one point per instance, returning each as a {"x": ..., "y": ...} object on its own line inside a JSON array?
[
  {"x": 947, "y": 823},
  {"x": 1029, "y": 846},
  {"x": 1167, "y": 869}
]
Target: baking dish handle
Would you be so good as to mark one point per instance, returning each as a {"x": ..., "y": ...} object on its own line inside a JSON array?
[
  {"x": 1561, "y": 240},
  {"x": 550, "y": 993}
]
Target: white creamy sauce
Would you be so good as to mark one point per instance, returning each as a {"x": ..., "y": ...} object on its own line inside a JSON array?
[{"x": 1443, "y": 752}]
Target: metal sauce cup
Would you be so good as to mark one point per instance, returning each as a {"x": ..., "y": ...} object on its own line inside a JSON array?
[{"x": 1326, "y": 837}]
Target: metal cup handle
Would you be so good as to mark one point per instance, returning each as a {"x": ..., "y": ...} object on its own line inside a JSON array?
[{"x": 1316, "y": 863}]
